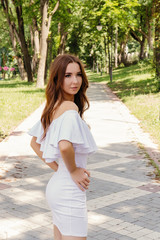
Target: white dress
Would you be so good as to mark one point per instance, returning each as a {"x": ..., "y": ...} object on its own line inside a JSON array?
[{"x": 66, "y": 200}]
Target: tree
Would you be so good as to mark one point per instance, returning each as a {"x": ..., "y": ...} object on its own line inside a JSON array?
[
  {"x": 115, "y": 17},
  {"x": 21, "y": 35},
  {"x": 142, "y": 31},
  {"x": 46, "y": 22},
  {"x": 14, "y": 36},
  {"x": 25, "y": 34},
  {"x": 65, "y": 17},
  {"x": 157, "y": 40}
]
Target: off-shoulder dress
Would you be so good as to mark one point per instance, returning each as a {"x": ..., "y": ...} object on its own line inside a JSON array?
[{"x": 66, "y": 200}]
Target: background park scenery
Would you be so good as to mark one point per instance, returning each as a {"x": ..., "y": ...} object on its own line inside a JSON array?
[{"x": 117, "y": 40}]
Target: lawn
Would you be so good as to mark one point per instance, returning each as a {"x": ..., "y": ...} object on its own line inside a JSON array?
[
  {"x": 18, "y": 99},
  {"x": 137, "y": 88}
]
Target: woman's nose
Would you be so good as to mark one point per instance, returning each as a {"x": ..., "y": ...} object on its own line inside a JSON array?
[{"x": 75, "y": 78}]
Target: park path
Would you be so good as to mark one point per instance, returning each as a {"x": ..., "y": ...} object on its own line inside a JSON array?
[{"x": 123, "y": 199}]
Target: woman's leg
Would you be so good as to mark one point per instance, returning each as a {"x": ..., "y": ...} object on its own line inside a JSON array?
[
  {"x": 73, "y": 238},
  {"x": 57, "y": 234}
]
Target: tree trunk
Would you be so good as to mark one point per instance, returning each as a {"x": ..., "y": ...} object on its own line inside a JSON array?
[
  {"x": 46, "y": 21},
  {"x": 21, "y": 35},
  {"x": 47, "y": 65},
  {"x": 50, "y": 54},
  {"x": 142, "y": 43},
  {"x": 61, "y": 49},
  {"x": 63, "y": 37},
  {"x": 97, "y": 67},
  {"x": 43, "y": 46},
  {"x": 94, "y": 63},
  {"x": 26, "y": 55},
  {"x": 32, "y": 37},
  {"x": 21, "y": 68},
  {"x": 14, "y": 38},
  {"x": 20, "y": 63},
  {"x": 105, "y": 52},
  {"x": 157, "y": 41},
  {"x": 35, "y": 43},
  {"x": 116, "y": 47},
  {"x": 150, "y": 24},
  {"x": 109, "y": 60},
  {"x": 123, "y": 53},
  {"x": 150, "y": 36}
]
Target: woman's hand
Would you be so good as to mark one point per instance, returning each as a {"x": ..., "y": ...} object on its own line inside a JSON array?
[{"x": 81, "y": 177}]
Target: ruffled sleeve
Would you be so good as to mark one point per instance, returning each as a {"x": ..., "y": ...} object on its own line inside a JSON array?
[{"x": 69, "y": 126}]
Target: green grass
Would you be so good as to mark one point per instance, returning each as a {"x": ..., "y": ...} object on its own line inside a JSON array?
[
  {"x": 18, "y": 99},
  {"x": 137, "y": 88}
]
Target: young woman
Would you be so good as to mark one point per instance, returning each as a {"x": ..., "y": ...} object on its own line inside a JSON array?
[{"x": 62, "y": 134}]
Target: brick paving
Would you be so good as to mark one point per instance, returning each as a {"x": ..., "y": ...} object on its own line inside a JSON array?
[{"x": 124, "y": 197}]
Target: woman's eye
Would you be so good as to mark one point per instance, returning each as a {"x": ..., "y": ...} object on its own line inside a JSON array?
[
  {"x": 67, "y": 76},
  {"x": 79, "y": 74}
]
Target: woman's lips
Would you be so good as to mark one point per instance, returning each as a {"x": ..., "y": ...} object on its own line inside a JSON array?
[{"x": 74, "y": 88}]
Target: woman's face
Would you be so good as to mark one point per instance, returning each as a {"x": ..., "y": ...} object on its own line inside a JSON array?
[{"x": 72, "y": 81}]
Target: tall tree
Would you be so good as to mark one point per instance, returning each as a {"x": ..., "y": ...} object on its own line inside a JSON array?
[
  {"x": 142, "y": 30},
  {"x": 15, "y": 38},
  {"x": 46, "y": 22},
  {"x": 21, "y": 34},
  {"x": 157, "y": 40},
  {"x": 116, "y": 47}
]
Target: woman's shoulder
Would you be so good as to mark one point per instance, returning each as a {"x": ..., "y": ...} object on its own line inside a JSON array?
[
  {"x": 68, "y": 105},
  {"x": 65, "y": 106}
]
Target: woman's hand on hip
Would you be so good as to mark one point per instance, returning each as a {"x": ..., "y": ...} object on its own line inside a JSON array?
[{"x": 81, "y": 177}]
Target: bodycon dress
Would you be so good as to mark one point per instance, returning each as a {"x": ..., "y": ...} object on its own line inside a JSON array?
[{"x": 65, "y": 199}]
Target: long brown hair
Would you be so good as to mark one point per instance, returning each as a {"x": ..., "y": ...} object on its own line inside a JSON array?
[{"x": 54, "y": 91}]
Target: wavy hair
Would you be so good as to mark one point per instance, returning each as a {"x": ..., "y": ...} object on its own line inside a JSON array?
[{"x": 54, "y": 90}]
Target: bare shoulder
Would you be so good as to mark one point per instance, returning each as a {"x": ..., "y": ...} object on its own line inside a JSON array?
[
  {"x": 68, "y": 105},
  {"x": 65, "y": 106}
]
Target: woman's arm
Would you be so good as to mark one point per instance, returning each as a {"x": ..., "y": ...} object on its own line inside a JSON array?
[
  {"x": 36, "y": 147},
  {"x": 79, "y": 175}
]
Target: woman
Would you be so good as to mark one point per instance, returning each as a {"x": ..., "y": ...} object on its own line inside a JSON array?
[{"x": 62, "y": 134}]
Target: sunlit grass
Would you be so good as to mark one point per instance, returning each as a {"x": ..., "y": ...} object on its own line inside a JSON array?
[
  {"x": 18, "y": 99},
  {"x": 137, "y": 88},
  {"x": 146, "y": 108}
]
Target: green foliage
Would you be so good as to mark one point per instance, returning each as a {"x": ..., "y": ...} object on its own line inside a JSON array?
[
  {"x": 74, "y": 40},
  {"x": 75, "y": 22},
  {"x": 5, "y": 41}
]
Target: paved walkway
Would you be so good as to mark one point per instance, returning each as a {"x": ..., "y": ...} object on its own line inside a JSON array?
[{"x": 123, "y": 198}]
